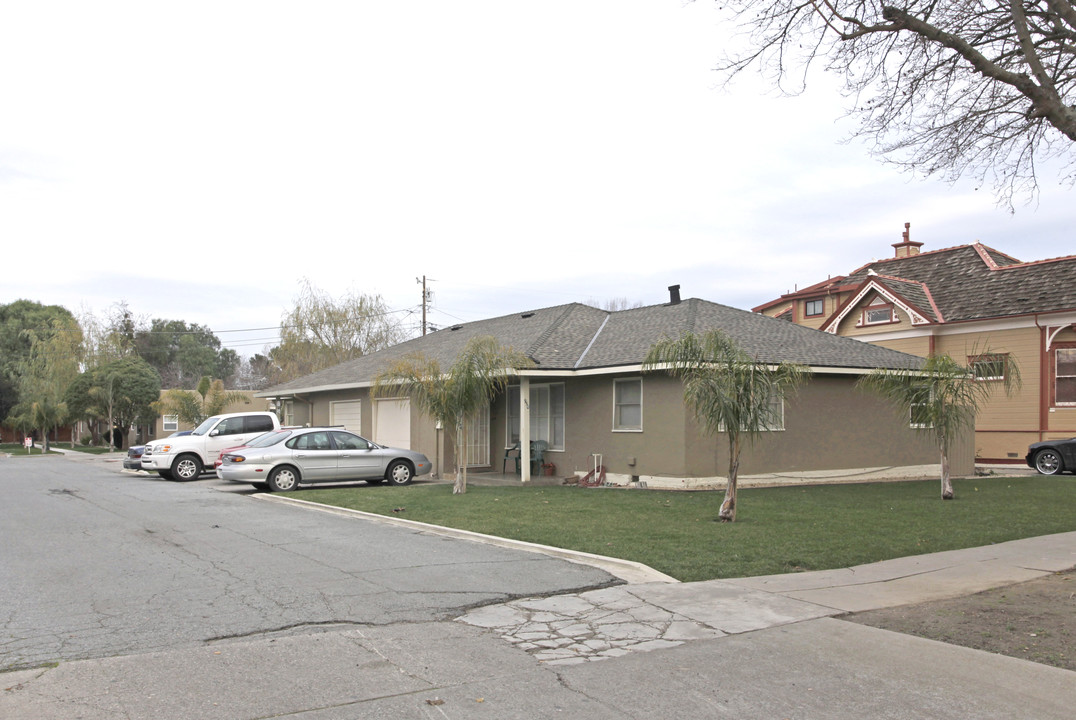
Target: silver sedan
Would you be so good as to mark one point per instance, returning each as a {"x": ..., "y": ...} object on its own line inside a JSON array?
[{"x": 286, "y": 459}]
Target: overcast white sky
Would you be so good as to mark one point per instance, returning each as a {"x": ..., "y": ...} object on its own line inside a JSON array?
[{"x": 198, "y": 159}]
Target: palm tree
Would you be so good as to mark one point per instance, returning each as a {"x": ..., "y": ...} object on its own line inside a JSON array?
[
  {"x": 47, "y": 416},
  {"x": 943, "y": 397},
  {"x": 479, "y": 372},
  {"x": 193, "y": 406},
  {"x": 730, "y": 391}
]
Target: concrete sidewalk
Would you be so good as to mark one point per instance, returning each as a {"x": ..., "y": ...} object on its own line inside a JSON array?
[{"x": 764, "y": 647}]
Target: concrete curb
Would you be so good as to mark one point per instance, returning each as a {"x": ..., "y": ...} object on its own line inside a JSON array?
[{"x": 627, "y": 570}]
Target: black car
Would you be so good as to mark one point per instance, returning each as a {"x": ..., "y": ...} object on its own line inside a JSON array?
[
  {"x": 133, "y": 461},
  {"x": 1052, "y": 457}
]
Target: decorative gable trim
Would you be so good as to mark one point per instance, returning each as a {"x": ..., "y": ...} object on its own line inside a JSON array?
[{"x": 873, "y": 285}]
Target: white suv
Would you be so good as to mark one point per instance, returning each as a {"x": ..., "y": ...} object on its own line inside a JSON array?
[{"x": 185, "y": 457}]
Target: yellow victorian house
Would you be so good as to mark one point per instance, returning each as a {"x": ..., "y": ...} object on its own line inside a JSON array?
[{"x": 973, "y": 303}]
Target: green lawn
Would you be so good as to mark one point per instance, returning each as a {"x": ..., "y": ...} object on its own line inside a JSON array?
[
  {"x": 16, "y": 449},
  {"x": 777, "y": 530}
]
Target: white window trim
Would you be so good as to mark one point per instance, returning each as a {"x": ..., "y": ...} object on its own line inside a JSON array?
[
  {"x": 1058, "y": 376},
  {"x": 617, "y": 428},
  {"x": 991, "y": 359},
  {"x": 169, "y": 423},
  {"x": 889, "y": 319},
  {"x": 911, "y": 415},
  {"x": 513, "y": 391}
]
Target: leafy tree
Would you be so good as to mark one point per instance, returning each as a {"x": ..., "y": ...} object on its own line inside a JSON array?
[
  {"x": 943, "y": 398},
  {"x": 43, "y": 414},
  {"x": 321, "y": 332},
  {"x": 938, "y": 86},
  {"x": 82, "y": 405},
  {"x": 193, "y": 406},
  {"x": 122, "y": 391},
  {"x": 729, "y": 391},
  {"x": 21, "y": 324},
  {"x": 478, "y": 373},
  {"x": 181, "y": 353},
  {"x": 45, "y": 373},
  {"x": 110, "y": 338}
]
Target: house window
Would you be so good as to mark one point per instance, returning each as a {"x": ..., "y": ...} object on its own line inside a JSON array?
[
  {"x": 813, "y": 308},
  {"x": 776, "y": 410},
  {"x": 547, "y": 414},
  {"x": 878, "y": 314},
  {"x": 1065, "y": 376},
  {"x": 920, "y": 408},
  {"x": 170, "y": 423},
  {"x": 628, "y": 404},
  {"x": 988, "y": 367}
]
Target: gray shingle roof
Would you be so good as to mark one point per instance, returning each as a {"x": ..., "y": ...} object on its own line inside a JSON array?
[
  {"x": 965, "y": 286},
  {"x": 578, "y": 337}
]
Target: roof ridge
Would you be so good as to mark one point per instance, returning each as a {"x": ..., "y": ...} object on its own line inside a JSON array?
[
  {"x": 553, "y": 326},
  {"x": 692, "y": 314},
  {"x": 1030, "y": 263},
  {"x": 928, "y": 253},
  {"x": 982, "y": 250}
]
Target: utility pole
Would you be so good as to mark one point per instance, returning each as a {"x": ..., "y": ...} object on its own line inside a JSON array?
[{"x": 427, "y": 295}]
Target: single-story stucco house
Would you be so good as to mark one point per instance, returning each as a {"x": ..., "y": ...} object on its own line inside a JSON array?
[{"x": 586, "y": 395}]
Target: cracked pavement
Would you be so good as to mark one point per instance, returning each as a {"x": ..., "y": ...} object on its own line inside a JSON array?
[{"x": 97, "y": 563}]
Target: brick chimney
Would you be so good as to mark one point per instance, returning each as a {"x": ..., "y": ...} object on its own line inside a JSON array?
[
  {"x": 674, "y": 294},
  {"x": 907, "y": 248}
]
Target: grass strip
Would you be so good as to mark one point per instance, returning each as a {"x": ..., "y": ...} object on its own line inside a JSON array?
[{"x": 778, "y": 530}]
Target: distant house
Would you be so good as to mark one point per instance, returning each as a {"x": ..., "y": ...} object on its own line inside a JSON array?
[
  {"x": 586, "y": 396},
  {"x": 973, "y": 303},
  {"x": 165, "y": 425}
]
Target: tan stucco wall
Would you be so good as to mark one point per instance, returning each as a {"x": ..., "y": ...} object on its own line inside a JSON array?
[
  {"x": 255, "y": 405},
  {"x": 829, "y": 425}
]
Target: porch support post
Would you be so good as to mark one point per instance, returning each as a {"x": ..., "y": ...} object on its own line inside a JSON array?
[{"x": 525, "y": 428}]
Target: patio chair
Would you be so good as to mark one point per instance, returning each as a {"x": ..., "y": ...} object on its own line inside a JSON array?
[
  {"x": 538, "y": 448},
  {"x": 509, "y": 456}
]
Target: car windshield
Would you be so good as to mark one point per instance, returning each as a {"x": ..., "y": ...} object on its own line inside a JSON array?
[
  {"x": 270, "y": 438},
  {"x": 204, "y": 427}
]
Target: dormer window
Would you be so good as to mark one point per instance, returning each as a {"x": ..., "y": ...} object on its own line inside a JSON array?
[
  {"x": 878, "y": 312},
  {"x": 813, "y": 308}
]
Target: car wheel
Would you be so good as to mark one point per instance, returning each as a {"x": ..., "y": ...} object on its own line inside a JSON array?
[
  {"x": 1048, "y": 462},
  {"x": 187, "y": 467},
  {"x": 399, "y": 473},
  {"x": 166, "y": 474},
  {"x": 284, "y": 479}
]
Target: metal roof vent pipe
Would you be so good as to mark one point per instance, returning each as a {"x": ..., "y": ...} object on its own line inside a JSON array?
[{"x": 674, "y": 294}]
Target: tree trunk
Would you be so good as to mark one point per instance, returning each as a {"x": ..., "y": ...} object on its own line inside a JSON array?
[
  {"x": 461, "y": 460},
  {"x": 946, "y": 482},
  {"x": 728, "y": 505}
]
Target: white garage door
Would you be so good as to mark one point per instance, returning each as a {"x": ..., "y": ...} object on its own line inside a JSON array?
[
  {"x": 348, "y": 414},
  {"x": 392, "y": 422}
]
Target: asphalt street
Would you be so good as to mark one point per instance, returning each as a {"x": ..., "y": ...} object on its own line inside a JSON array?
[
  {"x": 190, "y": 601},
  {"x": 96, "y": 562}
]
